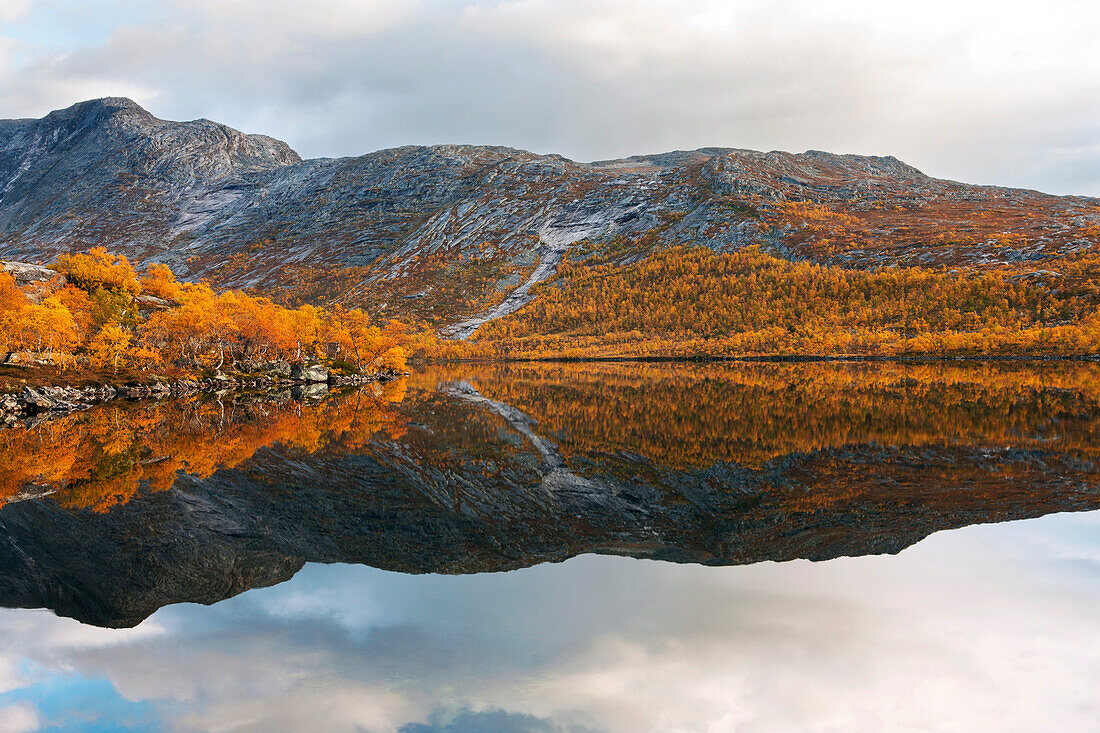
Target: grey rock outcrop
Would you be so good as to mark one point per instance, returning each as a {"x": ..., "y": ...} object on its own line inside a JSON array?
[
  {"x": 25, "y": 273},
  {"x": 309, "y": 372}
]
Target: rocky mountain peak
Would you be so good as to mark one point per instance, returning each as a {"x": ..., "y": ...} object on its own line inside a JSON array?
[
  {"x": 98, "y": 109},
  {"x": 106, "y": 171}
]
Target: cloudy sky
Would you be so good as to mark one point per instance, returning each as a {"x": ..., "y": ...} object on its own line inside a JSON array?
[{"x": 1002, "y": 92}]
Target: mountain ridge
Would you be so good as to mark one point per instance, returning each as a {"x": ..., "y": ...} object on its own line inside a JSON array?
[{"x": 455, "y": 234}]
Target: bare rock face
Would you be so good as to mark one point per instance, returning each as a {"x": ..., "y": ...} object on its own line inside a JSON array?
[{"x": 106, "y": 172}]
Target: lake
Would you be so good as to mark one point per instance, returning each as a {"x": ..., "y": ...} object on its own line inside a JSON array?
[{"x": 534, "y": 547}]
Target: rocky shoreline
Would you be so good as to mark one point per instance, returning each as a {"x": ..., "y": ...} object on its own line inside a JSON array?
[{"x": 37, "y": 404}]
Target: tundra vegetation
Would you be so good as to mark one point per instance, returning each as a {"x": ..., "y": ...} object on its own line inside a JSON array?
[
  {"x": 691, "y": 301},
  {"x": 605, "y": 300}
]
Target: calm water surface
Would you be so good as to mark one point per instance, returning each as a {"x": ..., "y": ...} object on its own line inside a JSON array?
[{"x": 564, "y": 548}]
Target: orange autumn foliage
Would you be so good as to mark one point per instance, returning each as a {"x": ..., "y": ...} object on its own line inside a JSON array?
[
  {"x": 689, "y": 301},
  {"x": 99, "y": 316},
  {"x": 99, "y": 268},
  {"x": 161, "y": 282},
  {"x": 46, "y": 326}
]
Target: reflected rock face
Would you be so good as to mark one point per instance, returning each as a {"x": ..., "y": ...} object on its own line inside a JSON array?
[{"x": 491, "y": 468}]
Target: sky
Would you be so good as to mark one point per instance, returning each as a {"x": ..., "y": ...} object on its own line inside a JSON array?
[
  {"x": 992, "y": 627},
  {"x": 1004, "y": 92}
]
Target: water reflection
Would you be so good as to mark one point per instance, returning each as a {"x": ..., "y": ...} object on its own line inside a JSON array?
[
  {"x": 693, "y": 416},
  {"x": 425, "y": 485},
  {"x": 988, "y": 628},
  {"x": 499, "y": 467},
  {"x": 98, "y": 459}
]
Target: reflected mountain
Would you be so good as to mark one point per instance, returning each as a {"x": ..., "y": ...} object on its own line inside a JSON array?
[{"x": 118, "y": 511}]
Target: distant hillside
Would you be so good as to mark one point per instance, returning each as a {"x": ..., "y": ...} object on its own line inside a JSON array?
[{"x": 450, "y": 233}]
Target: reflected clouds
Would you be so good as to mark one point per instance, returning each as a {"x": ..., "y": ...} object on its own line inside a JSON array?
[
  {"x": 987, "y": 627},
  {"x": 18, "y": 719},
  {"x": 494, "y": 721}
]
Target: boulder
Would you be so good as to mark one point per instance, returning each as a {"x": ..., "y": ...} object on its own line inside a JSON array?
[
  {"x": 151, "y": 302},
  {"x": 314, "y": 391},
  {"x": 36, "y": 281},
  {"x": 37, "y": 400},
  {"x": 309, "y": 373},
  {"x": 26, "y": 274}
]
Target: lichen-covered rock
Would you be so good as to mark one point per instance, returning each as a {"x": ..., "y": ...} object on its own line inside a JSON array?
[{"x": 26, "y": 274}]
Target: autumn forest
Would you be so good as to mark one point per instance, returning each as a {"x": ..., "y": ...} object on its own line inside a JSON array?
[
  {"x": 100, "y": 313},
  {"x": 690, "y": 301}
]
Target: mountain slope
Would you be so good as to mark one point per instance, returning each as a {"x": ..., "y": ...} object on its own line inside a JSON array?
[{"x": 457, "y": 234}]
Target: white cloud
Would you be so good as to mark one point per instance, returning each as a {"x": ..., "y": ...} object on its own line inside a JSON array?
[
  {"x": 10, "y": 676},
  {"x": 13, "y": 10},
  {"x": 257, "y": 18},
  {"x": 993, "y": 92},
  {"x": 988, "y": 91},
  {"x": 18, "y": 719},
  {"x": 52, "y": 633},
  {"x": 8, "y": 49}
]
